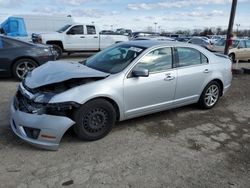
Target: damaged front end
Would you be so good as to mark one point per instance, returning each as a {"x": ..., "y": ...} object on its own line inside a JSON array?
[
  {"x": 36, "y": 101},
  {"x": 34, "y": 118}
]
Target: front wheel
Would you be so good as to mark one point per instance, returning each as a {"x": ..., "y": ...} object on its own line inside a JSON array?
[
  {"x": 94, "y": 120},
  {"x": 58, "y": 51},
  {"x": 210, "y": 95},
  {"x": 232, "y": 57}
]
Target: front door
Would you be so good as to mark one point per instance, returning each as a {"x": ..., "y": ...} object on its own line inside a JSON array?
[
  {"x": 143, "y": 95},
  {"x": 75, "y": 38}
]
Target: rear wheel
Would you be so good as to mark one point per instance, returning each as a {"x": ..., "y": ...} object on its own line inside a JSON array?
[
  {"x": 210, "y": 95},
  {"x": 58, "y": 51},
  {"x": 94, "y": 120},
  {"x": 22, "y": 67}
]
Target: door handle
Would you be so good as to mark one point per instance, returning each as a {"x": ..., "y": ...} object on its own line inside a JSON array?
[
  {"x": 95, "y": 37},
  {"x": 206, "y": 71},
  {"x": 169, "y": 78},
  {"x": 82, "y": 37}
]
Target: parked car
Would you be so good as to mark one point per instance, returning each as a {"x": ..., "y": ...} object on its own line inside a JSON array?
[
  {"x": 241, "y": 51},
  {"x": 122, "y": 31},
  {"x": 107, "y": 32},
  {"x": 128, "y": 80},
  {"x": 78, "y": 38},
  {"x": 219, "y": 46},
  {"x": 201, "y": 41},
  {"x": 159, "y": 38},
  {"x": 143, "y": 34},
  {"x": 18, "y": 57},
  {"x": 215, "y": 38},
  {"x": 183, "y": 39},
  {"x": 240, "y": 48}
]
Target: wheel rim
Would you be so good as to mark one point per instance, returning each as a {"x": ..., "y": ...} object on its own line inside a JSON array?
[
  {"x": 211, "y": 95},
  {"x": 95, "y": 121},
  {"x": 23, "y": 68}
]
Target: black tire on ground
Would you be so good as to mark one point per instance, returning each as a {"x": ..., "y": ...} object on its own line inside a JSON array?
[
  {"x": 232, "y": 57},
  {"x": 58, "y": 50},
  {"x": 204, "y": 101},
  {"x": 94, "y": 120},
  {"x": 22, "y": 66}
]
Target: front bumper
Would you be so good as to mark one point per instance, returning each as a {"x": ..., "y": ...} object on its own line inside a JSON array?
[{"x": 51, "y": 128}]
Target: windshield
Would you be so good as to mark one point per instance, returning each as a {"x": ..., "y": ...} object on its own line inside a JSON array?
[
  {"x": 115, "y": 59},
  {"x": 64, "y": 28}
]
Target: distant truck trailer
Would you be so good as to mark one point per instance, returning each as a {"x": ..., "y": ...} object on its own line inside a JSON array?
[{"x": 22, "y": 26}]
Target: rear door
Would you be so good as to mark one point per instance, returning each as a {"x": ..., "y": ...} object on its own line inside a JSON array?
[
  {"x": 193, "y": 71},
  {"x": 92, "y": 38},
  {"x": 143, "y": 95},
  {"x": 75, "y": 39},
  {"x": 247, "y": 50},
  {"x": 240, "y": 52}
]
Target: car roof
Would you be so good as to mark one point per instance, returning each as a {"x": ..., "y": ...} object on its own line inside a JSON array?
[{"x": 154, "y": 43}]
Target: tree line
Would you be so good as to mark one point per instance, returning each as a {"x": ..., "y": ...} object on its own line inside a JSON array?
[{"x": 212, "y": 31}]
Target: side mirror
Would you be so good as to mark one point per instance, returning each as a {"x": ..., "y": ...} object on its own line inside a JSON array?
[{"x": 140, "y": 72}]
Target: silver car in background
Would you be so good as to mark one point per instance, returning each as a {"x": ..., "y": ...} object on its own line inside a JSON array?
[{"x": 127, "y": 80}]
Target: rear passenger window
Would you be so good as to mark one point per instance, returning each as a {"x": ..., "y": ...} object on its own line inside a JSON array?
[
  {"x": 91, "y": 30},
  {"x": 190, "y": 56}
]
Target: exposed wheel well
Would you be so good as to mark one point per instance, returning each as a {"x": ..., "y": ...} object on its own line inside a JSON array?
[
  {"x": 114, "y": 104},
  {"x": 59, "y": 43},
  {"x": 221, "y": 85}
]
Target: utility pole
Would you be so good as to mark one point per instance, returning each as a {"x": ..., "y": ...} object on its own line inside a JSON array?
[{"x": 230, "y": 25}]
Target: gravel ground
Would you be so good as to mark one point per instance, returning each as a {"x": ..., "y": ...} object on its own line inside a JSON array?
[{"x": 184, "y": 147}]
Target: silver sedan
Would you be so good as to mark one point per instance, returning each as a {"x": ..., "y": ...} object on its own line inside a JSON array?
[{"x": 127, "y": 80}]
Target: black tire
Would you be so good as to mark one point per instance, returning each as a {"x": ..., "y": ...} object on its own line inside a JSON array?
[
  {"x": 94, "y": 120},
  {"x": 26, "y": 65},
  {"x": 232, "y": 57},
  {"x": 203, "y": 101},
  {"x": 59, "y": 51}
]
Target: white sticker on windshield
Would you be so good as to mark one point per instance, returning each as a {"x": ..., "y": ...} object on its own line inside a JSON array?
[{"x": 135, "y": 49}]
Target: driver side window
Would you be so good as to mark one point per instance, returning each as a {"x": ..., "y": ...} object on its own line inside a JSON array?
[
  {"x": 76, "y": 30},
  {"x": 157, "y": 61}
]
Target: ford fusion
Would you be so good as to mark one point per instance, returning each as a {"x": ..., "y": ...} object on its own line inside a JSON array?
[{"x": 127, "y": 80}]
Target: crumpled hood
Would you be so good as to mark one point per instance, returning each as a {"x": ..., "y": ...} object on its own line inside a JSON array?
[{"x": 59, "y": 71}]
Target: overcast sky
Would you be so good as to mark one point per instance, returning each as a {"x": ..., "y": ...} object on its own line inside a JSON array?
[{"x": 136, "y": 14}]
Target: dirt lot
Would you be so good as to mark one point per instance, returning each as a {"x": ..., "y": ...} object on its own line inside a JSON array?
[{"x": 185, "y": 147}]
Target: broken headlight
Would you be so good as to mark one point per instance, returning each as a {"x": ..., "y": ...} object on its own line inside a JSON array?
[{"x": 43, "y": 97}]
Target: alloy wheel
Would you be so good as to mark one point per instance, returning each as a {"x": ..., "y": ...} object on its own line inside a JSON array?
[
  {"x": 211, "y": 95},
  {"x": 23, "y": 68}
]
